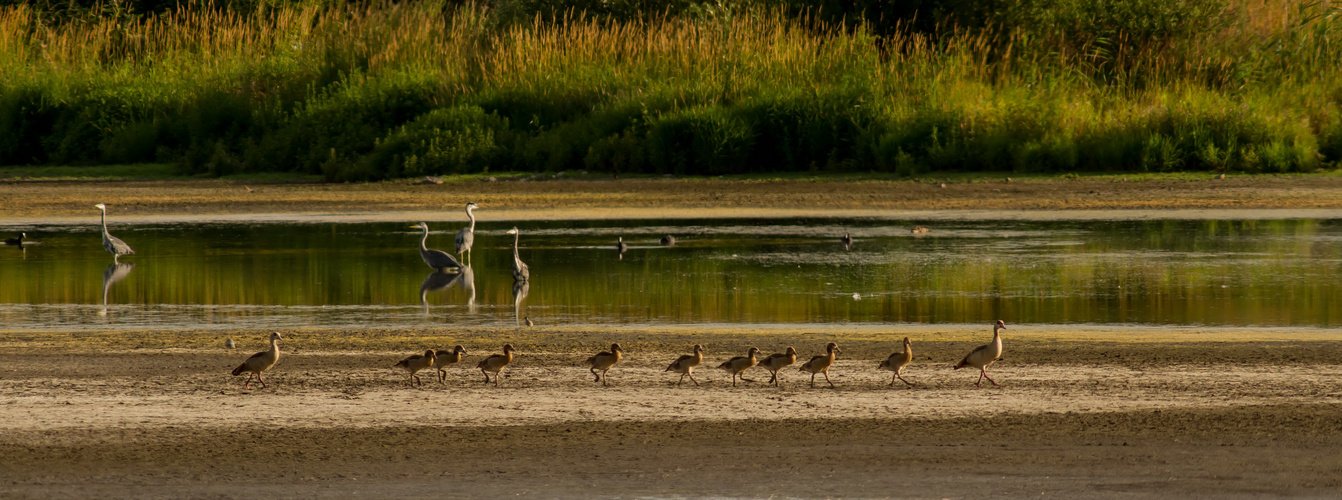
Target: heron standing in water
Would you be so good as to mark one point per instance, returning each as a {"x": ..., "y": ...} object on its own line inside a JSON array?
[
  {"x": 466, "y": 236},
  {"x": 520, "y": 270},
  {"x": 436, "y": 259},
  {"x": 113, "y": 245}
]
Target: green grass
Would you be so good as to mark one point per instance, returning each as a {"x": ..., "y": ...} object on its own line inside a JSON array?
[{"x": 420, "y": 88}]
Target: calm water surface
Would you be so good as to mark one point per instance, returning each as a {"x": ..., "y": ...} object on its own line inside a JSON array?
[{"x": 1176, "y": 272}]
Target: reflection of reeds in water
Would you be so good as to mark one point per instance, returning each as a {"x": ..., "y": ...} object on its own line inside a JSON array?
[{"x": 115, "y": 272}]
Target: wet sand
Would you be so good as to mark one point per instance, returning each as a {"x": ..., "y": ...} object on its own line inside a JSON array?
[{"x": 1095, "y": 411}]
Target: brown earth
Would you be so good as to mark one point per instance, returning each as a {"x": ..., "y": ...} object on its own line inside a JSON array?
[
  {"x": 640, "y": 198},
  {"x": 1096, "y": 411}
]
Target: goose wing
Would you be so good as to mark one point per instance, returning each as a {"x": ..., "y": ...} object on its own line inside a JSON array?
[{"x": 679, "y": 362}]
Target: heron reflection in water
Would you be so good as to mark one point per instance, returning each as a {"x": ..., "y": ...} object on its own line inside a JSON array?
[
  {"x": 520, "y": 291},
  {"x": 115, "y": 272},
  {"x": 436, "y": 281}
]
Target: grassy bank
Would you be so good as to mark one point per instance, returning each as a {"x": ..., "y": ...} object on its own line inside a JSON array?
[{"x": 356, "y": 93}]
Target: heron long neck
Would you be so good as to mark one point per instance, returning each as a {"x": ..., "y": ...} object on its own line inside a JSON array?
[
  {"x": 517, "y": 258},
  {"x": 104, "y": 222},
  {"x": 423, "y": 242},
  {"x": 470, "y": 212}
]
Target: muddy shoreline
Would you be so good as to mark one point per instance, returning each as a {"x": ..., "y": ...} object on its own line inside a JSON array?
[
  {"x": 1095, "y": 411},
  {"x": 1311, "y": 195}
]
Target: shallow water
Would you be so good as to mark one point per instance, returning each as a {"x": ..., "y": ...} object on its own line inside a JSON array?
[{"x": 213, "y": 275}]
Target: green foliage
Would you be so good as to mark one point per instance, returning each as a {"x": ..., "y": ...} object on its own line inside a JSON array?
[{"x": 357, "y": 91}]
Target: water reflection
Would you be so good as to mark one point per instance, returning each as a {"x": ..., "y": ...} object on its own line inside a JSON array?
[
  {"x": 520, "y": 291},
  {"x": 1214, "y": 272},
  {"x": 437, "y": 280},
  {"x": 113, "y": 273}
]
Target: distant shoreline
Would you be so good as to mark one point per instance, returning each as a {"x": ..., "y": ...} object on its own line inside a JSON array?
[{"x": 979, "y": 197}]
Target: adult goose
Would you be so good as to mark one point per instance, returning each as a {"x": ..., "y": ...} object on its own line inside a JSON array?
[
  {"x": 821, "y": 364},
  {"x": 684, "y": 365},
  {"x": 260, "y": 362},
  {"x": 983, "y": 356}
]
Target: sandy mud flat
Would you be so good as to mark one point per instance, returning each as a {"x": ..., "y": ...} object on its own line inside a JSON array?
[{"x": 1096, "y": 411}]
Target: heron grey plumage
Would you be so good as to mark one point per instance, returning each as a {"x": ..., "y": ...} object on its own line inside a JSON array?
[
  {"x": 113, "y": 245},
  {"x": 436, "y": 259},
  {"x": 466, "y": 236},
  {"x": 520, "y": 270}
]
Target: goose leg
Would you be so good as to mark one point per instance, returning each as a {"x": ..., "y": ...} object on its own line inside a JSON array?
[
  {"x": 486, "y": 374},
  {"x": 442, "y": 377},
  {"x": 982, "y": 373},
  {"x": 774, "y": 379},
  {"x": 743, "y": 377},
  {"x": 593, "y": 370},
  {"x": 248, "y": 384},
  {"x": 496, "y": 378},
  {"x": 696, "y": 382},
  {"x": 813, "y": 380},
  {"x": 831, "y": 384},
  {"x": 605, "y": 378},
  {"x": 682, "y": 379},
  {"x": 261, "y": 379},
  {"x": 733, "y": 380},
  {"x": 901, "y": 379},
  {"x": 990, "y": 379}
]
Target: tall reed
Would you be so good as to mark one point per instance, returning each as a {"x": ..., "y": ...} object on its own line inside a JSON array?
[{"x": 388, "y": 90}]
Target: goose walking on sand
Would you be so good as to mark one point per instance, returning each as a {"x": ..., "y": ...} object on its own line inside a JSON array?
[
  {"x": 260, "y": 362},
  {"x": 494, "y": 364},
  {"x": 684, "y": 365},
  {"x": 897, "y": 361},
  {"x": 738, "y": 365},
  {"x": 777, "y": 361},
  {"x": 821, "y": 364},
  {"x": 466, "y": 236},
  {"x": 603, "y": 361},
  {"x": 415, "y": 363},
  {"x": 983, "y": 356},
  {"x": 113, "y": 245},
  {"x": 520, "y": 270},
  {"x": 446, "y": 358},
  {"x": 437, "y": 259}
]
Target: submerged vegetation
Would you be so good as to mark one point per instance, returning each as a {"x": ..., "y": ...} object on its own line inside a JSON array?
[{"x": 357, "y": 92}]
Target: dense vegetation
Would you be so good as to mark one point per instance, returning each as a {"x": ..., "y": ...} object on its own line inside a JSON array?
[{"x": 368, "y": 91}]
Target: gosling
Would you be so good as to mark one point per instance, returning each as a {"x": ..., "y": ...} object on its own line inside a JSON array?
[
  {"x": 495, "y": 364},
  {"x": 684, "y": 365},
  {"x": 821, "y": 364},
  {"x": 897, "y": 361},
  {"x": 415, "y": 363},
  {"x": 738, "y": 365},
  {"x": 604, "y": 361},
  {"x": 777, "y": 361},
  {"x": 447, "y": 358}
]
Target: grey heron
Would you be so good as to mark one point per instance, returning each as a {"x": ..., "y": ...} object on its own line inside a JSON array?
[
  {"x": 16, "y": 241},
  {"x": 436, "y": 259},
  {"x": 520, "y": 270},
  {"x": 466, "y": 236},
  {"x": 113, "y": 245}
]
